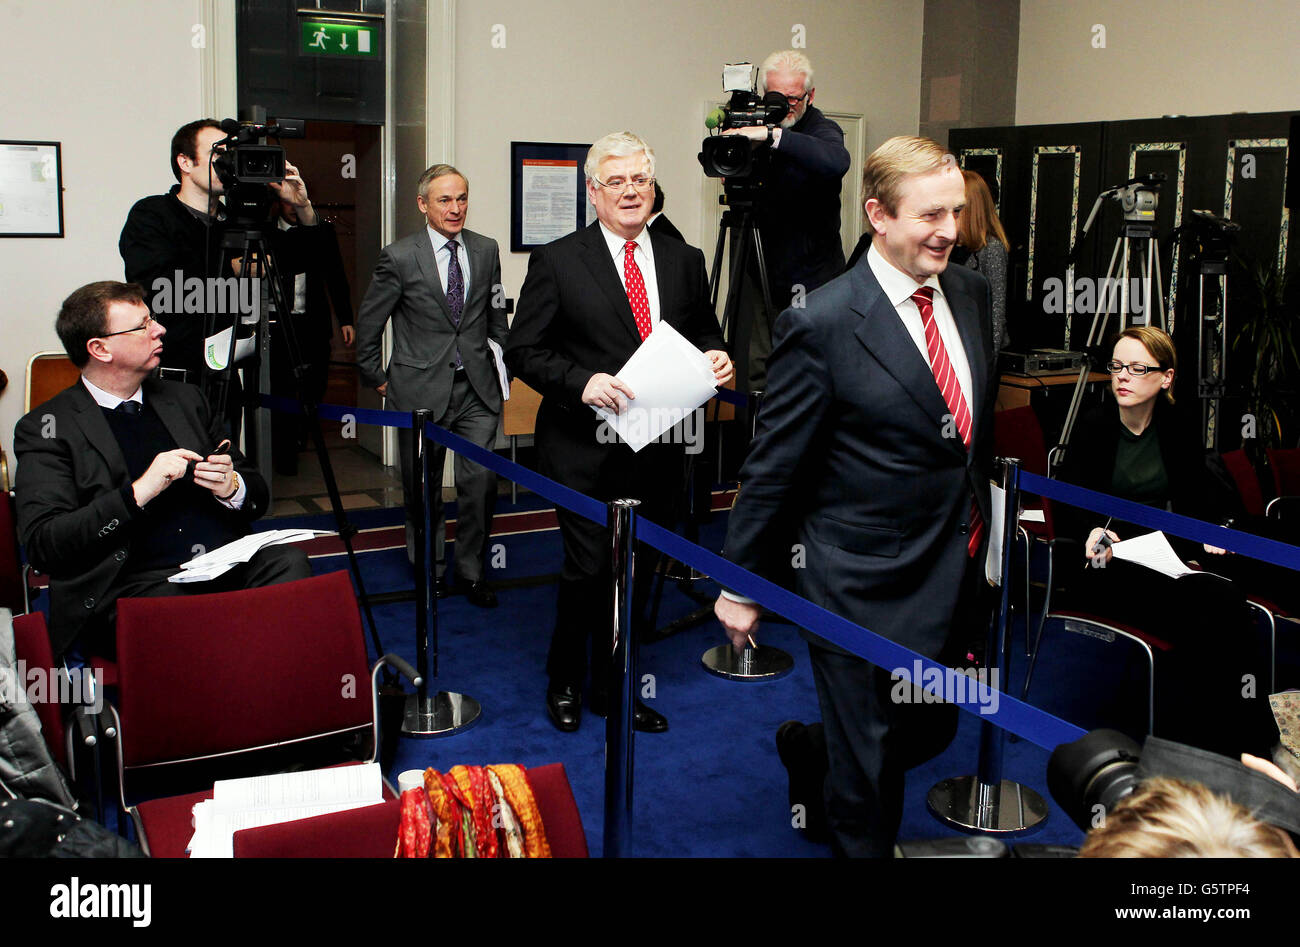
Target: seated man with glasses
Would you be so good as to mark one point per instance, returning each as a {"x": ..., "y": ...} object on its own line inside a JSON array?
[
  {"x": 122, "y": 477},
  {"x": 798, "y": 208},
  {"x": 1134, "y": 446}
]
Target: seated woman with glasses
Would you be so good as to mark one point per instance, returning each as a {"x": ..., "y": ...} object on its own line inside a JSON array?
[{"x": 1134, "y": 447}]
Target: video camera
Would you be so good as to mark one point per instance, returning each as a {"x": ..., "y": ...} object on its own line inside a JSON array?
[
  {"x": 736, "y": 156},
  {"x": 247, "y": 164},
  {"x": 1138, "y": 197}
]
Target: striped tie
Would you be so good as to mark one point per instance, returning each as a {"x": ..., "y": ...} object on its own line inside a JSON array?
[{"x": 946, "y": 379}]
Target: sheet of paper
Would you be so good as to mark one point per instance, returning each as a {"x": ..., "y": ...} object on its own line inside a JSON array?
[
  {"x": 993, "y": 562},
  {"x": 211, "y": 564},
  {"x": 671, "y": 378},
  {"x": 1153, "y": 551},
  {"x": 283, "y": 797},
  {"x": 1032, "y": 516},
  {"x": 503, "y": 376},
  {"x": 550, "y": 199}
]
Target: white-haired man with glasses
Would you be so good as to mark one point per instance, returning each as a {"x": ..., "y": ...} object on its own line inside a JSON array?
[
  {"x": 588, "y": 302},
  {"x": 122, "y": 477},
  {"x": 798, "y": 208}
]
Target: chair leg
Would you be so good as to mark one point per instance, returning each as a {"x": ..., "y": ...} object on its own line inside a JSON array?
[{"x": 1042, "y": 622}]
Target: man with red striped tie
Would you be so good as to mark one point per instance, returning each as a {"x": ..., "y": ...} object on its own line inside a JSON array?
[{"x": 869, "y": 475}]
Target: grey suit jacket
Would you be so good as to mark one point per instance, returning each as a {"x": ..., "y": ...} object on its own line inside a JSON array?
[{"x": 406, "y": 287}]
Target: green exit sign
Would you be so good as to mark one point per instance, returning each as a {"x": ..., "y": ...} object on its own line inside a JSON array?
[{"x": 338, "y": 39}]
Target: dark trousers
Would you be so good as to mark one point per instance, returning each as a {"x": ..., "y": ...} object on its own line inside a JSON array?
[
  {"x": 871, "y": 740},
  {"x": 270, "y": 566},
  {"x": 476, "y": 486},
  {"x": 584, "y": 607}
]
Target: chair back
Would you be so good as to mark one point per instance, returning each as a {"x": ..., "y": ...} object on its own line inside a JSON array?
[
  {"x": 32, "y": 647},
  {"x": 206, "y": 675},
  {"x": 48, "y": 373},
  {"x": 12, "y": 584},
  {"x": 1017, "y": 433},
  {"x": 1247, "y": 481},
  {"x": 1285, "y": 465},
  {"x": 519, "y": 414}
]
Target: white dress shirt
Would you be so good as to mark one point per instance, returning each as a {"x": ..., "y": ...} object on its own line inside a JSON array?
[
  {"x": 110, "y": 401},
  {"x": 443, "y": 257},
  {"x": 645, "y": 261},
  {"x": 898, "y": 288}
]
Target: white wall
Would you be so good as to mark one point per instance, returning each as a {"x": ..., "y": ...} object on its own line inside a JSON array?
[
  {"x": 112, "y": 82},
  {"x": 1162, "y": 57},
  {"x": 573, "y": 70}
]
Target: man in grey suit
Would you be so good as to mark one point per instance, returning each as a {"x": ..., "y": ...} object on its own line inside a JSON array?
[{"x": 442, "y": 288}]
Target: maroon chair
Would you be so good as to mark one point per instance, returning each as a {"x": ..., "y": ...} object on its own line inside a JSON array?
[
  {"x": 371, "y": 832},
  {"x": 1285, "y": 465},
  {"x": 1244, "y": 476},
  {"x": 212, "y": 677},
  {"x": 1017, "y": 433}
]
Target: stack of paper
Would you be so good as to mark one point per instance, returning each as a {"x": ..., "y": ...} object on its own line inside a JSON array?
[
  {"x": 670, "y": 377},
  {"x": 267, "y": 800},
  {"x": 220, "y": 561}
]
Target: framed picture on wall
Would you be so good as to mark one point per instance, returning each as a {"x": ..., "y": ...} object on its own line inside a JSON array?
[
  {"x": 31, "y": 189},
  {"x": 548, "y": 192}
]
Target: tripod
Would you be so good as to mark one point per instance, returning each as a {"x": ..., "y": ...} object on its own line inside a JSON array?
[
  {"x": 248, "y": 242},
  {"x": 1115, "y": 298}
]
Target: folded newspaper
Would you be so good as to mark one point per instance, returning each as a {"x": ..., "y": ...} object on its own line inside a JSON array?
[{"x": 218, "y": 562}]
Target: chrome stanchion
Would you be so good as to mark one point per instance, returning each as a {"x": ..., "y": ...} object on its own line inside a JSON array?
[
  {"x": 621, "y": 685},
  {"x": 446, "y": 712},
  {"x": 986, "y": 802},
  {"x": 752, "y": 663}
]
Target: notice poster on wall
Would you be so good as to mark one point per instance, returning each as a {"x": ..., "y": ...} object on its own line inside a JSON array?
[
  {"x": 548, "y": 192},
  {"x": 549, "y": 199},
  {"x": 31, "y": 192}
]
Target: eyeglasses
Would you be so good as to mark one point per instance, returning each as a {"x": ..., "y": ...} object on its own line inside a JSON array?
[
  {"x": 148, "y": 321},
  {"x": 1134, "y": 368},
  {"x": 794, "y": 100},
  {"x": 619, "y": 185}
]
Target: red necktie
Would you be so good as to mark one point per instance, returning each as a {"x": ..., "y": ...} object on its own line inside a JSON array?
[
  {"x": 946, "y": 379},
  {"x": 636, "y": 290}
]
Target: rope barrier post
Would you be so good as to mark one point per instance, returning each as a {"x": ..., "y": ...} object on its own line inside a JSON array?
[
  {"x": 443, "y": 713},
  {"x": 622, "y": 683},
  {"x": 987, "y": 803}
]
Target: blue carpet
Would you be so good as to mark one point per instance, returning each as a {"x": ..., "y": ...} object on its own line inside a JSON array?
[{"x": 712, "y": 786}]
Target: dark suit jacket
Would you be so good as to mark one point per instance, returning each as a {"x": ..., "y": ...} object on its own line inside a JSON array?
[
  {"x": 74, "y": 516},
  {"x": 406, "y": 286},
  {"x": 161, "y": 236},
  {"x": 662, "y": 225},
  {"x": 574, "y": 320},
  {"x": 798, "y": 210},
  {"x": 850, "y": 460}
]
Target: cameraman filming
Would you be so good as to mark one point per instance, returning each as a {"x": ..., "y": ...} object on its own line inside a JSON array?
[
  {"x": 170, "y": 238},
  {"x": 797, "y": 209}
]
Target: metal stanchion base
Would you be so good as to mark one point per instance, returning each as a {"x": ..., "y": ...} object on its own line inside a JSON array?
[
  {"x": 955, "y": 802},
  {"x": 752, "y": 664},
  {"x": 440, "y": 714}
]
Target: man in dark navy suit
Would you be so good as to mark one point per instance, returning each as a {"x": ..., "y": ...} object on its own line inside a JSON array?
[
  {"x": 873, "y": 451},
  {"x": 588, "y": 302}
]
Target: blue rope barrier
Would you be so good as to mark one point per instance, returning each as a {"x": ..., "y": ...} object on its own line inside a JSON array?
[{"x": 1257, "y": 547}]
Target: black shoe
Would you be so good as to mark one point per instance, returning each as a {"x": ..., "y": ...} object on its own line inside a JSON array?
[
  {"x": 803, "y": 754},
  {"x": 479, "y": 593},
  {"x": 564, "y": 707},
  {"x": 644, "y": 720},
  {"x": 440, "y": 588}
]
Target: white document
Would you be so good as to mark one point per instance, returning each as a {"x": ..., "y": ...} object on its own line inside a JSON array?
[
  {"x": 671, "y": 378},
  {"x": 1032, "y": 516},
  {"x": 1153, "y": 551},
  {"x": 216, "y": 347},
  {"x": 503, "y": 376},
  {"x": 550, "y": 199},
  {"x": 268, "y": 800},
  {"x": 993, "y": 562},
  {"x": 219, "y": 561}
]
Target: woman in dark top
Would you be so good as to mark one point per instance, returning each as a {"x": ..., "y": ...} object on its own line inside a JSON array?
[
  {"x": 980, "y": 231},
  {"x": 1133, "y": 448}
]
